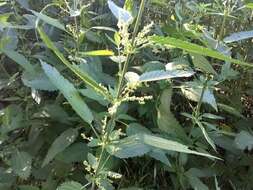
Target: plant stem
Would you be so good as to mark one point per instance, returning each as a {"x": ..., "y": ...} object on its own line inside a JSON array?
[
  {"x": 223, "y": 26},
  {"x": 197, "y": 111},
  {"x": 136, "y": 28},
  {"x": 201, "y": 99}
]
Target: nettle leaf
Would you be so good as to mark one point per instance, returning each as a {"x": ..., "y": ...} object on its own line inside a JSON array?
[
  {"x": 75, "y": 153},
  {"x": 160, "y": 156},
  {"x": 231, "y": 110},
  {"x": 208, "y": 139},
  {"x": 49, "y": 20},
  {"x": 196, "y": 183},
  {"x": 60, "y": 144},
  {"x": 21, "y": 163},
  {"x": 72, "y": 185},
  {"x": 135, "y": 128},
  {"x": 202, "y": 63},
  {"x": 19, "y": 59},
  {"x": 235, "y": 37},
  {"x": 194, "y": 48},
  {"x": 37, "y": 80},
  {"x": 170, "y": 145},
  {"x": 165, "y": 119},
  {"x": 140, "y": 144},
  {"x": 74, "y": 68},
  {"x": 193, "y": 91},
  {"x": 162, "y": 75},
  {"x": 69, "y": 92},
  {"x": 90, "y": 93},
  {"x": 244, "y": 140},
  {"x": 120, "y": 13},
  {"x": 131, "y": 146}
]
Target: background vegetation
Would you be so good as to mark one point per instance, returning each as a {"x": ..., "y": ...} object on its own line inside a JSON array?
[{"x": 128, "y": 95}]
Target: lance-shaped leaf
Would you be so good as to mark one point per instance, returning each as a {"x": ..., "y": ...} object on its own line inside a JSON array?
[
  {"x": 69, "y": 92},
  {"x": 19, "y": 59},
  {"x": 208, "y": 139},
  {"x": 170, "y": 145},
  {"x": 162, "y": 75},
  {"x": 75, "y": 69},
  {"x": 60, "y": 144},
  {"x": 139, "y": 144},
  {"x": 194, "y": 48},
  {"x": 128, "y": 147},
  {"x": 235, "y": 37}
]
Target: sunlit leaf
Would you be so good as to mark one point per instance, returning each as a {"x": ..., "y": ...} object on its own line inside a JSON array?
[
  {"x": 194, "y": 48},
  {"x": 120, "y": 13},
  {"x": 235, "y": 37},
  {"x": 162, "y": 75},
  {"x": 69, "y": 92}
]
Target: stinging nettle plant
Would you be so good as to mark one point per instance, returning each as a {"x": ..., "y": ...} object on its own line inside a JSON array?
[
  {"x": 109, "y": 138},
  {"x": 105, "y": 102}
]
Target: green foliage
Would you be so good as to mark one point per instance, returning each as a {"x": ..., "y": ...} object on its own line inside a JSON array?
[
  {"x": 69, "y": 92},
  {"x": 21, "y": 163},
  {"x": 60, "y": 144},
  {"x": 126, "y": 95},
  {"x": 70, "y": 186}
]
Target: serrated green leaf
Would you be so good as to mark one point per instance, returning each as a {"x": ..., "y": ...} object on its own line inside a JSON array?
[
  {"x": 193, "y": 90},
  {"x": 72, "y": 185},
  {"x": 60, "y": 144},
  {"x": 160, "y": 156},
  {"x": 75, "y": 69},
  {"x": 230, "y": 110},
  {"x": 202, "y": 63},
  {"x": 37, "y": 80},
  {"x": 165, "y": 119},
  {"x": 196, "y": 183},
  {"x": 69, "y": 92},
  {"x": 75, "y": 153},
  {"x": 21, "y": 163},
  {"x": 140, "y": 144},
  {"x": 170, "y": 145},
  {"x": 131, "y": 146},
  {"x": 162, "y": 75},
  {"x": 194, "y": 48}
]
